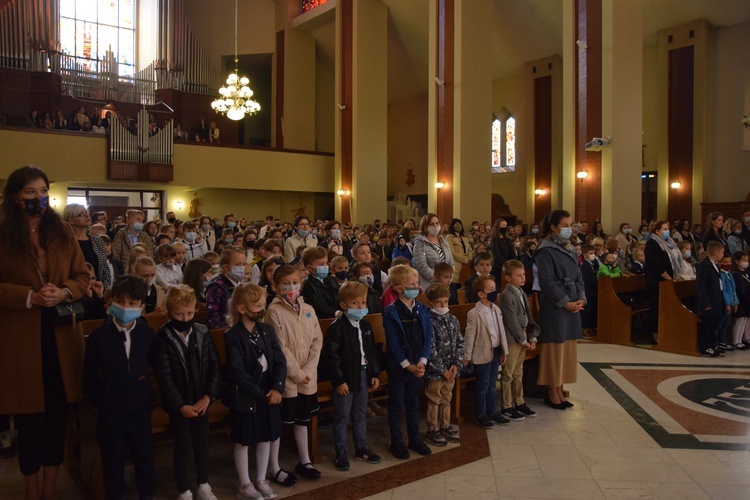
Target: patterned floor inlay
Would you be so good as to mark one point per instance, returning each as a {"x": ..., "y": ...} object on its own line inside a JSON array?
[{"x": 683, "y": 406}]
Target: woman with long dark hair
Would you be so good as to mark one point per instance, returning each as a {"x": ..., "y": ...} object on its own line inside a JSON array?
[
  {"x": 715, "y": 231},
  {"x": 41, "y": 266},
  {"x": 462, "y": 255},
  {"x": 502, "y": 248},
  {"x": 562, "y": 298}
]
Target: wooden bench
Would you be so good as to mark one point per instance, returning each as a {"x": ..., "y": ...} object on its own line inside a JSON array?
[
  {"x": 678, "y": 325},
  {"x": 615, "y": 318}
]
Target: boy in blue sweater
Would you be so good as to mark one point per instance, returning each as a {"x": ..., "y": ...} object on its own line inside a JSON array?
[
  {"x": 408, "y": 334},
  {"x": 116, "y": 383}
]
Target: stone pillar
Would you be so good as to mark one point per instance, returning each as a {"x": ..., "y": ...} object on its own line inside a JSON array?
[{"x": 622, "y": 112}]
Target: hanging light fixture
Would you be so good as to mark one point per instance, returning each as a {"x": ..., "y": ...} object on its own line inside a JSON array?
[{"x": 236, "y": 98}]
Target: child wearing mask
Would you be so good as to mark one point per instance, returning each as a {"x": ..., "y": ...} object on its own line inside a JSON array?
[
  {"x": 686, "y": 251},
  {"x": 482, "y": 267},
  {"x": 186, "y": 366},
  {"x": 351, "y": 357},
  {"x": 298, "y": 331},
  {"x": 257, "y": 371},
  {"x": 363, "y": 274},
  {"x": 609, "y": 267},
  {"x": 710, "y": 300},
  {"x": 589, "y": 272},
  {"x": 167, "y": 272},
  {"x": 741, "y": 327},
  {"x": 729, "y": 292},
  {"x": 339, "y": 272},
  {"x": 219, "y": 291},
  {"x": 446, "y": 361},
  {"x": 639, "y": 262},
  {"x": 322, "y": 298},
  {"x": 156, "y": 299},
  {"x": 195, "y": 247},
  {"x": 116, "y": 382}
]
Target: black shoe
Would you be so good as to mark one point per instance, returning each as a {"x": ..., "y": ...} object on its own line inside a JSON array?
[
  {"x": 741, "y": 347},
  {"x": 525, "y": 410},
  {"x": 567, "y": 404},
  {"x": 436, "y": 438},
  {"x": 307, "y": 471},
  {"x": 484, "y": 421},
  {"x": 367, "y": 455},
  {"x": 341, "y": 462},
  {"x": 554, "y": 406},
  {"x": 399, "y": 451},
  {"x": 289, "y": 480},
  {"x": 512, "y": 414},
  {"x": 420, "y": 447},
  {"x": 710, "y": 353},
  {"x": 498, "y": 419}
]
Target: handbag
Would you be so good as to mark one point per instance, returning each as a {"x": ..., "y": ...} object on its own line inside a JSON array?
[{"x": 66, "y": 314}]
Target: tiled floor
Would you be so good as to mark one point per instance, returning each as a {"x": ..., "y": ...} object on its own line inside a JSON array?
[{"x": 623, "y": 439}]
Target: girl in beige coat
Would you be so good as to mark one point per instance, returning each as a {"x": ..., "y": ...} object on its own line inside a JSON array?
[{"x": 301, "y": 339}]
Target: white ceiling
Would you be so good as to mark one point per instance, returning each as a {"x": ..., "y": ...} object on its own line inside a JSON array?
[{"x": 523, "y": 30}]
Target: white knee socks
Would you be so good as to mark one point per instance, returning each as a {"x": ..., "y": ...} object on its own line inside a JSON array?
[
  {"x": 262, "y": 454},
  {"x": 300, "y": 437},
  {"x": 241, "y": 464}
]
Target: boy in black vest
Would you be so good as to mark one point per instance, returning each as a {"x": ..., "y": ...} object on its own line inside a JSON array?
[
  {"x": 116, "y": 382},
  {"x": 709, "y": 300}
]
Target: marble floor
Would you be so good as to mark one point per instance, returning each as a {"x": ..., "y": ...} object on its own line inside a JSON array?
[{"x": 646, "y": 424}]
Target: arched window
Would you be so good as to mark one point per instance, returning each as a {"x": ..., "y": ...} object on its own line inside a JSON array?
[
  {"x": 89, "y": 28},
  {"x": 503, "y": 143}
]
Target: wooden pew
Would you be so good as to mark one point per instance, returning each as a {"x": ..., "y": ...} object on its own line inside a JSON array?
[
  {"x": 615, "y": 318},
  {"x": 461, "y": 296},
  {"x": 678, "y": 325}
]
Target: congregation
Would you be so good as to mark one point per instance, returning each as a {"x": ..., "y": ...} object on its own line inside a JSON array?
[{"x": 267, "y": 283}]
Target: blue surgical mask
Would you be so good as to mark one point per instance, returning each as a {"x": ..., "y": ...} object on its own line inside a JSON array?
[
  {"x": 322, "y": 272},
  {"x": 237, "y": 272},
  {"x": 566, "y": 232},
  {"x": 356, "y": 314},
  {"x": 138, "y": 226},
  {"x": 124, "y": 315},
  {"x": 665, "y": 234},
  {"x": 336, "y": 234},
  {"x": 534, "y": 230},
  {"x": 411, "y": 293},
  {"x": 190, "y": 236},
  {"x": 231, "y": 224},
  {"x": 315, "y": 232},
  {"x": 206, "y": 228},
  {"x": 303, "y": 232}
]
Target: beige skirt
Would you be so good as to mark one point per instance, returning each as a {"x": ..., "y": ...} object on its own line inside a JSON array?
[{"x": 558, "y": 363}]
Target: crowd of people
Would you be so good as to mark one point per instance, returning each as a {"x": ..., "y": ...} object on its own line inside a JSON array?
[{"x": 267, "y": 283}]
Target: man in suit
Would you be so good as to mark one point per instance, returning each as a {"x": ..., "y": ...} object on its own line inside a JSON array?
[{"x": 709, "y": 300}]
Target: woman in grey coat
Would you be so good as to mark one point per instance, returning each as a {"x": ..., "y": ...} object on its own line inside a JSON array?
[
  {"x": 562, "y": 298},
  {"x": 429, "y": 248}
]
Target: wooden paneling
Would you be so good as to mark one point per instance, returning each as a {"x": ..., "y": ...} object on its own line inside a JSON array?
[
  {"x": 347, "y": 119},
  {"x": 279, "y": 89},
  {"x": 680, "y": 131},
  {"x": 445, "y": 107},
  {"x": 542, "y": 144},
  {"x": 588, "y": 199}
]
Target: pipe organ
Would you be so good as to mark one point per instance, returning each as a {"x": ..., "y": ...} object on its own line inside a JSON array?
[
  {"x": 30, "y": 40},
  {"x": 142, "y": 155}
]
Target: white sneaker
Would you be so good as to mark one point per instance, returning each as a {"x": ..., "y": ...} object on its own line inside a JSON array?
[
  {"x": 248, "y": 492},
  {"x": 185, "y": 495},
  {"x": 204, "y": 492},
  {"x": 264, "y": 487}
]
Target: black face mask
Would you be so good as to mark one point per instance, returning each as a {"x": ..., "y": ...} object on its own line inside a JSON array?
[
  {"x": 171, "y": 220},
  {"x": 250, "y": 244},
  {"x": 342, "y": 275},
  {"x": 503, "y": 230},
  {"x": 492, "y": 296},
  {"x": 183, "y": 326},
  {"x": 34, "y": 206}
]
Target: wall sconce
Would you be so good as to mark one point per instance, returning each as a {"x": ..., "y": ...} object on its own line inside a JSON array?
[
  {"x": 675, "y": 185},
  {"x": 746, "y": 121},
  {"x": 440, "y": 185},
  {"x": 54, "y": 203},
  {"x": 343, "y": 192},
  {"x": 178, "y": 205},
  {"x": 582, "y": 174},
  {"x": 539, "y": 192}
]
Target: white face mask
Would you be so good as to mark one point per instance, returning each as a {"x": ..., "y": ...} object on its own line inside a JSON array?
[
  {"x": 743, "y": 265},
  {"x": 440, "y": 311},
  {"x": 591, "y": 257},
  {"x": 433, "y": 230}
]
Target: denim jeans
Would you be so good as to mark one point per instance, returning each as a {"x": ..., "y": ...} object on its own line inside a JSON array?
[
  {"x": 403, "y": 392},
  {"x": 721, "y": 328},
  {"x": 354, "y": 404},
  {"x": 486, "y": 385}
]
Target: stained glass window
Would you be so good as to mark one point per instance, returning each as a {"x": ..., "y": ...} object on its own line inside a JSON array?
[
  {"x": 503, "y": 145},
  {"x": 90, "y": 28},
  {"x": 308, "y": 5}
]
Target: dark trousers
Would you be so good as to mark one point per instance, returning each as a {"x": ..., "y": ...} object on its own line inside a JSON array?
[
  {"x": 4, "y": 423},
  {"x": 41, "y": 436},
  {"x": 189, "y": 434},
  {"x": 453, "y": 300},
  {"x": 708, "y": 332},
  {"x": 403, "y": 392},
  {"x": 118, "y": 434},
  {"x": 485, "y": 398},
  {"x": 721, "y": 329},
  {"x": 353, "y": 404}
]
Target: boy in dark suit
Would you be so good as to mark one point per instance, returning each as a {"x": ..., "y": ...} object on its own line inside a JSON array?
[
  {"x": 116, "y": 382},
  {"x": 709, "y": 300},
  {"x": 483, "y": 267},
  {"x": 317, "y": 292},
  {"x": 589, "y": 270}
]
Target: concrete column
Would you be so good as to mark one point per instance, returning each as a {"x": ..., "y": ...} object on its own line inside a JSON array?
[
  {"x": 369, "y": 193},
  {"x": 472, "y": 175},
  {"x": 565, "y": 197},
  {"x": 298, "y": 120},
  {"x": 622, "y": 112}
]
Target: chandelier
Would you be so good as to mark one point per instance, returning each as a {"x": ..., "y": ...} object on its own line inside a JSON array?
[{"x": 236, "y": 98}]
